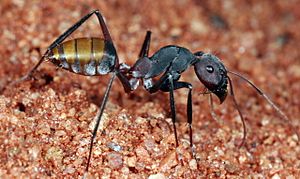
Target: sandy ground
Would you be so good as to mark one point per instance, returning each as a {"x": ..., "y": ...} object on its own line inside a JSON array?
[{"x": 46, "y": 124}]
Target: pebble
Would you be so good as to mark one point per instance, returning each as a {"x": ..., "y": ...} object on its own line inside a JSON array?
[
  {"x": 169, "y": 161},
  {"x": 115, "y": 160},
  {"x": 157, "y": 176}
]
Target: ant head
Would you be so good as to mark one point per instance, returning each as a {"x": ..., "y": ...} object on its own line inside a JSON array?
[{"x": 212, "y": 73}]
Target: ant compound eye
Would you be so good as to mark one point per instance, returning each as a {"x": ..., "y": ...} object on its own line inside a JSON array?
[{"x": 209, "y": 69}]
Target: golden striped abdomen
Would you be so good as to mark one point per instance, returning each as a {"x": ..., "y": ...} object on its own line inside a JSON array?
[{"x": 86, "y": 56}]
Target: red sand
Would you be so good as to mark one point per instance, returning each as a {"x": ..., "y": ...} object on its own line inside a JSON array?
[{"x": 45, "y": 125}]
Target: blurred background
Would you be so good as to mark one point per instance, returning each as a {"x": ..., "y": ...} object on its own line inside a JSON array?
[{"x": 259, "y": 39}]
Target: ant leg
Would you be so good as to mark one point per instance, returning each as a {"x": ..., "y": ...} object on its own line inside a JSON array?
[
  {"x": 98, "y": 119},
  {"x": 240, "y": 113},
  {"x": 170, "y": 86},
  {"x": 174, "y": 85},
  {"x": 29, "y": 74},
  {"x": 173, "y": 113},
  {"x": 157, "y": 86},
  {"x": 160, "y": 85},
  {"x": 145, "y": 48},
  {"x": 190, "y": 115},
  {"x": 173, "y": 108},
  {"x": 122, "y": 73},
  {"x": 69, "y": 31},
  {"x": 125, "y": 82},
  {"x": 178, "y": 85},
  {"x": 66, "y": 34}
]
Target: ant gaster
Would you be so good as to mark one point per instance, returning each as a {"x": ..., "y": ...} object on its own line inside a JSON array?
[{"x": 97, "y": 56}]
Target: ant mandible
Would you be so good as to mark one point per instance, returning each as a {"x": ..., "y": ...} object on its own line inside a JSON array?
[{"x": 97, "y": 56}]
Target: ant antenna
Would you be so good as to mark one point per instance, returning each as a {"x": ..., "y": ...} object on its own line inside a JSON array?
[
  {"x": 239, "y": 111},
  {"x": 281, "y": 113}
]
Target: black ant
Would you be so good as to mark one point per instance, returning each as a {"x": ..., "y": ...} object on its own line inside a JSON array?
[
  {"x": 170, "y": 61},
  {"x": 97, "y": 56}
]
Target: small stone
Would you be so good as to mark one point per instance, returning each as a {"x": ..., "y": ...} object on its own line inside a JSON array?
[
  {"x": 34, "y": 96},
  {"x": 231, "y": 168},
  {"x": 26, "y": 101},
  {"x": 150, "y": 144},
  {"x": 193, "y": 164},
  {"x": 59, "y": 106},
  {"x": 168, "y": 162},
  {"x": 199, "y": 27},
  {"x": 175, "y": 32},
  {"x": 72, "y": 112},
  {"x": 34, "y": 151},
  {"x": 131, "y": 161},
  {"x": 103, "y": 123},
  {"x": 265, "y": 121},
  {"x": 157, "y": 176},
  {"x": 294, "y": 70},
  {"x": 125, "y": 170},
  {"x": 114, "y": 160},
  {"x": 114, "y": 146},
  {"x": 140, "y": 120},
  {"x": 242, "y": 158},
  {"x": 142, "y": 153},
  {"x": 43, "y": 128},
  {"x": 290, "y": 177},
  {"x": 60, "y": 133},
  {"x": 69, "y": 170},
  {"x": 276, "y": 176},
  {"x": 55, "y": 154}
]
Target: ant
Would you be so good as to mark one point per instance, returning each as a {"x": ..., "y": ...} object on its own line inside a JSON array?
[{"x": 98, "y": 56}]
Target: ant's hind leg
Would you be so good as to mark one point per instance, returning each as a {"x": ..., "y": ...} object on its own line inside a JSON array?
[
  {"x": 74, "y": 27},
  {"x": 98, "y": 119},
  {"x": 30, "y": 73},
  {"x": 63, "y": 36}
]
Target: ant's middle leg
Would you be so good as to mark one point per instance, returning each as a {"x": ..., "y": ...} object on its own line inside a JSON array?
[
  {"x": 178, "y": 85},
  {"x": 146, "y": 45},
  {"x": 173, "y": 108},
  {"x": 167, "y": 80},
  {"x": 167, "y": 84}
]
